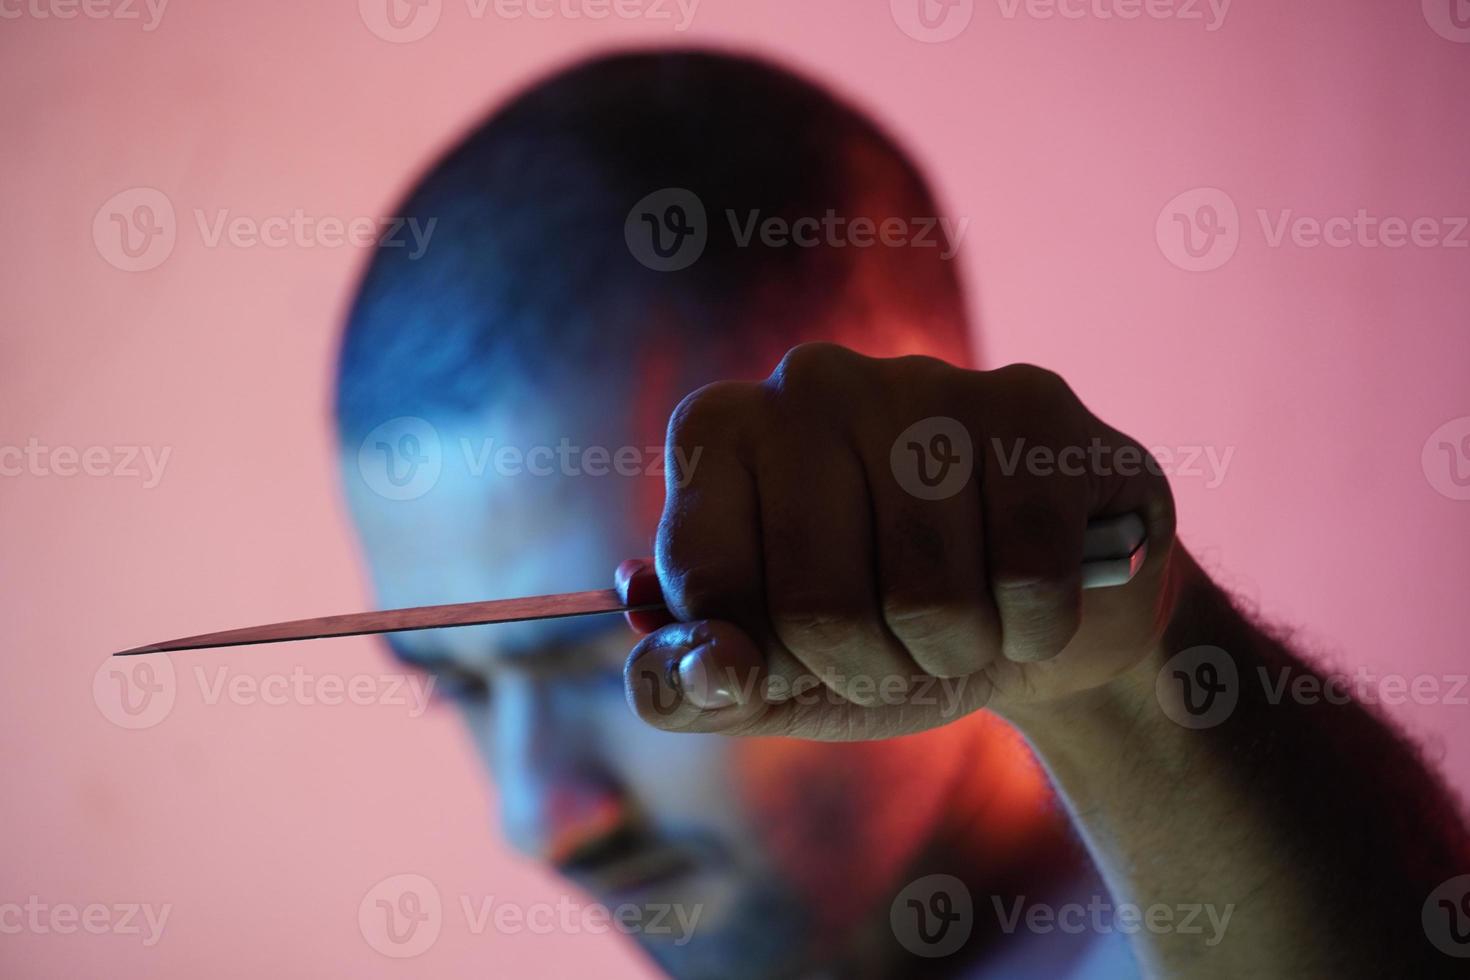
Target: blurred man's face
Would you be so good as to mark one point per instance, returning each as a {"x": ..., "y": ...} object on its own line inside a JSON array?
[{"x": 759, "y": 845}]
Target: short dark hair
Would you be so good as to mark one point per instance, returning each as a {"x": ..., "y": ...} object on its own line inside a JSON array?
[{"x": 527, "y": 267}]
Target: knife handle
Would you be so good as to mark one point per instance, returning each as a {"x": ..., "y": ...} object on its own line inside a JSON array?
[{"x": 1113, "y": 550}]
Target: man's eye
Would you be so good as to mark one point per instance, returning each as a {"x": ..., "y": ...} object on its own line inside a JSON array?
[
  {"x": 610, "y": 676},
  {"x": 460, "y": 686}
]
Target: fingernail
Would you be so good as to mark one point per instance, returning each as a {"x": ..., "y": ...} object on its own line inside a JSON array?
[
  {"x": 701, "y": 688},
  {"x": 623, "y": 576}
]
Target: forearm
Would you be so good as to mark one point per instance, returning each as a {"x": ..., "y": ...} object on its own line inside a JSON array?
[{"x": 1313, "y": 826}]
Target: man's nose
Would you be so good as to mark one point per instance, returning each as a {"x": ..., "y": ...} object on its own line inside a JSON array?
[{"x": 557, "y": 797}]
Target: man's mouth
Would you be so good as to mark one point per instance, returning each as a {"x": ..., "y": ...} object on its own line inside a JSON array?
[
  {"x": 640, "y": 872},
  {"x": 622, "y": 867}
]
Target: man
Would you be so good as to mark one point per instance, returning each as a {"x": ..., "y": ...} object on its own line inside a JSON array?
[{"x": 649, "y": 225}]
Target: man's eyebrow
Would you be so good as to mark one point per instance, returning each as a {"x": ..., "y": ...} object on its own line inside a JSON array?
[
  {"x": 557, "y": 640},
  {"x": 425, "y": 657}
]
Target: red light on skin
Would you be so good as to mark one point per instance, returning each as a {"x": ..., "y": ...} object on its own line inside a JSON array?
[
  {"x": 970, "y": 790},
  {"x": 577, "y": 819},
  {"x": 666, "y": 370}
]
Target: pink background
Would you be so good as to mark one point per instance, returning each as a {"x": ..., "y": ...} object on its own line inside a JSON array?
[{"x": 1325, "y": 369}]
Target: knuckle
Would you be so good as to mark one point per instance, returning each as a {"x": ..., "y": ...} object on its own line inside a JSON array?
[
  {"x": 811, "y": 370},
  {"x": 707, "y": 412},
  {"x": 1045, "y": 591},
  {"x": 814, "y": 632},
  {"x": 1031, "y": 588},
  {"x": 1034, "y": 382},
  {"x": 692, "y": 585},
  {"x": 915, "y": 541},
  {"x": 1036, "y": 554},
  {"x": 693, "y": 591},
  {"x": 1038, "y": 627},
  {"x": 920, "y": 367},
  {"x": 1033, "y": 562},
  {"x": 924, "y": 622},
  {"x": 1033, "y": 520}
]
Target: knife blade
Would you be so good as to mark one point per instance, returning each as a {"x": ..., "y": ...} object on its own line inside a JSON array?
[
  {"x": 592, "y": 603},
  {"x": 1113, "y": 551}
]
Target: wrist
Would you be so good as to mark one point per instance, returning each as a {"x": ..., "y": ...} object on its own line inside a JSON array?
[{"x": 1124, "y": 713}]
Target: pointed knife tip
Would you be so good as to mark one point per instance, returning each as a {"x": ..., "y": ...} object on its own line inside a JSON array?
[{"x": 136, "y": 651}]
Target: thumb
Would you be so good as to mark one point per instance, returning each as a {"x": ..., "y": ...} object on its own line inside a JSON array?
[
  {"x": 704, "y": 676},
  {"x": 709, "y": 676}
]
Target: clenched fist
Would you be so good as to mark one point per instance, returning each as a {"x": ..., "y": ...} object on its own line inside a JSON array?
[{"x": 869, "y": 548}]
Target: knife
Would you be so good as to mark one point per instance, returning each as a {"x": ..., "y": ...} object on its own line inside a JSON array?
[{"x": 1113, "y": 550}]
